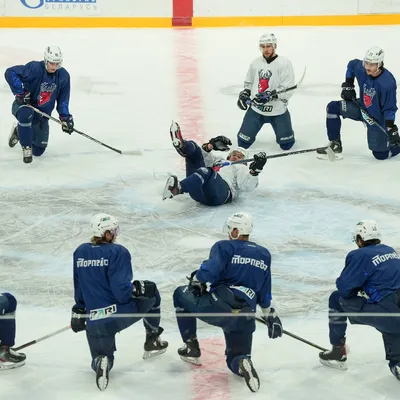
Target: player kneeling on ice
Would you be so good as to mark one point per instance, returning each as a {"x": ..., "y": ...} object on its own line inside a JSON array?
[
  {"x": 205, "y": 181},
  {"x": 8, "y": 357},
  {"x": 377, "y": 97},
  {"x": 369, "y": 284},
  {"x": 266, "y": 76},
  {"x": 239, "y": 272},
  {"x": 40, "y": 84},
  {"x": 104, "y": 292}
]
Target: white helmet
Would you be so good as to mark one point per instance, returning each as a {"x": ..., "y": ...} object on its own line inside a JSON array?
[
  {"x": 238, "y": 149},
  {"x": 101, "y": 223},
  {"x": 374, "y": 55},
  {"x": 53, "y": 54},
  {"x": 268, "y": 38},
  {"x": 243, "y": 222},
  {"x": 367, "y": 230}
]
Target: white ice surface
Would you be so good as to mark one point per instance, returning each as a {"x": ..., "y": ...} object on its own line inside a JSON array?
[{"x": 127, "y": 86}]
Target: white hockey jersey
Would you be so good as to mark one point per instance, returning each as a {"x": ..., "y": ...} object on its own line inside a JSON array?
[
  {"x": 263, "y": 77},
  {"x": 236, "y": 176}
]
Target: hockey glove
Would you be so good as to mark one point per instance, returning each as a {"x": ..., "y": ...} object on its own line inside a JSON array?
[
  {"x": 348, "y": 92},
  {"x": 274, "y": 324},
  {"x": 22, "y": 99},
  {"x": 78, "y": 320},
  {"x": 262, "y": 98},
  {"x": 394, "y": 139},
  {"x": 144, "y": 289},
  {"x": 258, "y": 164},
  {"x": 220, "y": 143},
  {"x": 197, "y": 288},
  {"x": 244, "y": 97},
  {"x": 67, "y": 124}
]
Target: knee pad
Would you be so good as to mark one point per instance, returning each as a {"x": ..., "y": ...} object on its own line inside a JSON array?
[
  {"x": 334, "y": 301},
  {"x": 286, "y": 146},
  {"x": 24, "y": 115},
  {"x": 8, "y": 303},
  {"x": 38, "y": 151},
  {"x": 381, "y": 155},
  {"x": 333, "y": 109}
]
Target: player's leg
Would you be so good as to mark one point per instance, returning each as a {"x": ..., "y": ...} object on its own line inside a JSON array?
[
  {"x": 378, "y": 143},
  {"x": 282, "y": 126},
  {"x": 251, "y": 125},
  {"x": 40, "y": 137},
  {"x": 24, "y": 115}
]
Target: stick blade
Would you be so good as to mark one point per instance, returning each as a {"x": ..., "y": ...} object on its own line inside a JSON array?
[{"x": 132, "y": 153}]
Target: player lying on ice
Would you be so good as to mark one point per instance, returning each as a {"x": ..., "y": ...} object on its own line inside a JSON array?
[{"x": 205, "y": 181}]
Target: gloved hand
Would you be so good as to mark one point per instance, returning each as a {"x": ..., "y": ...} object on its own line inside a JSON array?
[
  {"x": 197, "y": 288},
  {"x": 244, "y": 97},
  {"x": 348, "y": 92},
  {"x": 220, "y": 143},
  {"x": 257, "y": 165},
  {"x": 394, "y": 139},
  {"x": 22, "y": 99},
  {"x": 274, "y": 324},
  {"x": 144, "y": 289},
  {"x": 67, "y": 124},
  {"x": 78, "y": 321},
  {"x": 262, "y": 98}
]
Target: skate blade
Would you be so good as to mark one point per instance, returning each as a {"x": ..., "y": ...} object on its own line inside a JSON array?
[
  {"x": 337, "y": 157},
  {"x": 250, "y": 376},
  {"x": 102, "y": 374},
  {"x": 167, "y": 194},
  {"x": 153, "y": 353},
  {"x": 13, "y": 139},
  {"x": 192, "y": 360},
  {"x": 340, "y": 365},
  {"x": 7, "y": 365}
]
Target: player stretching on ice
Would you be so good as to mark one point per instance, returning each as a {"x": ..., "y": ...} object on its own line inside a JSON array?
[
  {"x": 239, "y": 272},
  {"x": 203, "y": 183},
  {"x": 40, "y": 84},
  {"x": 104, "y": 290},
  {"x": 369, "y": 283},
  {"x": 377, "y": 96}
]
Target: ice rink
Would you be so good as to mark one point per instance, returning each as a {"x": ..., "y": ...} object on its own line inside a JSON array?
[{"x": 127, "y": 86}]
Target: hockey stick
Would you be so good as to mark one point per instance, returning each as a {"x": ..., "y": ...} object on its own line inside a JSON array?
[
  {"x": 329, "y": 152},
  {"x": 294, "y": 336},
  {"x": 296, "y": 86},
  {"x": 42, "y": 338},
  {"x": 368, "y": 119},
  {"x": 43, "y": 114}
]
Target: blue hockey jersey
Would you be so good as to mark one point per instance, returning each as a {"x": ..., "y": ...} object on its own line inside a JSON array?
[
  {"x": 243, "y": 266},
  {"x": 378, "y": 95},
  {"x": 45, "y": 88},
  {"x": 374, "y": 269},
  {"x": 103, "y": 277}
]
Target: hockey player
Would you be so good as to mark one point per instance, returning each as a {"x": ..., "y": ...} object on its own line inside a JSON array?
[
  {"x": 368, "y": 284},
  {"x": 266, "y": 76},
  {"x": 240, "y": 277},
  {"x": 40, "y": 84},
  {"x": 377, "y": 88},
  {"x": 104, "y": 291},
  {"x": 205, "y": 181},
  {"x": 8, "y": 357}
]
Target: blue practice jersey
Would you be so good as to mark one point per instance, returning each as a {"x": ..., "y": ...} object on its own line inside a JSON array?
[
  {"x": 374, "y": 269},
  {"x": 102, "y": 276},
  {"x": 243, "y": 266},
  {"x": 378, "y": 95},
  {"x": 45, "y": 88}
]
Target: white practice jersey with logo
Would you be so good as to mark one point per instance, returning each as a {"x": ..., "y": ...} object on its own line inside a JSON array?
[{"x": 263, "y": 77}]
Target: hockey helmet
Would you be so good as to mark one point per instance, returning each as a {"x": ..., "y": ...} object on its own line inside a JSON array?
[
  {"x": 53, "y": 54},
  {"x": 367, "y": 230},
  {"x": 268, "y": 38},
  {"x": 374, "y": 55},
  {"x": 101, "y": 223},
  {"x": 242, "y": 221},
  {"x": 240, "y": 150}
]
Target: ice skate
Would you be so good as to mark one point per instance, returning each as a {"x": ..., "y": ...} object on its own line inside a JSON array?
[
  {"x": 249, "y": 374},
  {"x": 154, "y": 346},
  {"x": 13, "y": 139},
  {"x": 395, "y": 369},
  {"x": 176, "y": 137},
  {"x": 102, "y": 371},
  {"x": 27, "y": 154},
  {"x": 335, "y": 146},
  {"x": 172, "y": 188},
  {"x": 10, "y": 359},
  {"x": 190, "y": 352},
  {"x": 335, "y": 358}
]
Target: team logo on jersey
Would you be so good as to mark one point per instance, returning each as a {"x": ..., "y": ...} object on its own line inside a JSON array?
[
  {"x": 46, "y": 90},
  {"x": 368, "y": 95},
  {"x": 263, "y": 80}
]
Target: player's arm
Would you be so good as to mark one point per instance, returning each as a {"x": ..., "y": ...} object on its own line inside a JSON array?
[
  {"x": 348, "y": 88},
  {"x": 210, "y": 269},
  {"x": 246, "y": 180},
  {"x": 16, "y": 75},
  {"x": 353, "y": 275},
  {"x": 264, "y": 296},
  {"x": 78, "y": 296},
  {"x": 287, "y": 81},
  {"x": 388, "y": 103},
  {"x": 120, "y": 275},
  {"x": 245, "y": 94},
  {"x": 63, "y": 97}
]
